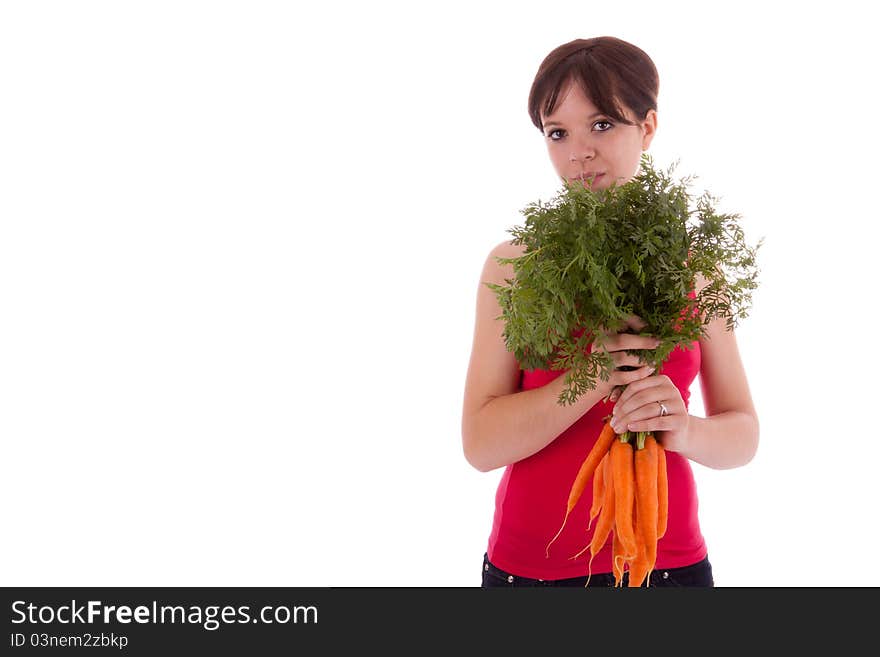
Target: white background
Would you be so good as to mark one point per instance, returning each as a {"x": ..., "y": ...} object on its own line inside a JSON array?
[{"x": 240, "y": 248}]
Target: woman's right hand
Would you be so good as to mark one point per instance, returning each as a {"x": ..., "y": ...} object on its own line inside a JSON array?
[{"x": 627, "y": 367}]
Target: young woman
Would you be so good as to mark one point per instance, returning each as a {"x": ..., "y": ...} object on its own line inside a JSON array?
[{"x": 595, "y": 103}]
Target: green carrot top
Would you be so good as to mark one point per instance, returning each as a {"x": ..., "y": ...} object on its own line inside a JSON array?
[{"x": 594, "y": 258}]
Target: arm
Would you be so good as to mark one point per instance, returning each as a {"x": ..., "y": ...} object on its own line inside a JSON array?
[
  {"x": 507, "y": 428},
  {"x": 500, "y": 423},
  {"x": 728, "y": 436}
]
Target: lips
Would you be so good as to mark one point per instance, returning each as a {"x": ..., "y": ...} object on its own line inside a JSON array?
[{"x": 589, "y": 177}]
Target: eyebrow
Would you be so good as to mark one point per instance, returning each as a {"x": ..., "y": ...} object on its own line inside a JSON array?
[{"x": 592, "y": 116}]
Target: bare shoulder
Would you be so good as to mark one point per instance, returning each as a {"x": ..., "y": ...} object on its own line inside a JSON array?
[
  {"x": 507, "y": 249},
  {"x": 495, "y": 271}
]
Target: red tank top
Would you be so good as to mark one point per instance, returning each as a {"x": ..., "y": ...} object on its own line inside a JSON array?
[{"x": 531, "y": 497}]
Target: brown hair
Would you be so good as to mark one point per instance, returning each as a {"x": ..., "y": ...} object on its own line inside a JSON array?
[{"x": 610, "y": 71}]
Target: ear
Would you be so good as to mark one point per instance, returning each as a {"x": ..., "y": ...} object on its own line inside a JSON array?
[{"x": 649, "y": 128}]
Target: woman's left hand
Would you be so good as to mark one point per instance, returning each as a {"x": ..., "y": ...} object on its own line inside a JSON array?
[{"x": 637, "y": 409}]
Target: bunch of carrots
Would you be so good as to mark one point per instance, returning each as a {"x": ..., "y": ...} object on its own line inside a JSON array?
[{"x": 630, "y": 500}]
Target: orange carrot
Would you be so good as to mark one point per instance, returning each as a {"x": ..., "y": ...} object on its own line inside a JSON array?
[
  {"x": 662, "y": 492},
  {"x": 645, "y": 461},
  {"x": 638, "y": 568},
  {"x": 623, "y": 472},
  {"x": 599, "y": 449},
  {"x": 617, "y": 560},
  {"x": 598, "y": 490},
  {"x": 605, "y": 522},
  {"x": 653, "y": 498}
]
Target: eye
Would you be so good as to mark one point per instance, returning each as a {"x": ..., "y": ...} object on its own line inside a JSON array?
[
  {"x": 554, "y": 131},
  {"x": 608, "y": 125}
]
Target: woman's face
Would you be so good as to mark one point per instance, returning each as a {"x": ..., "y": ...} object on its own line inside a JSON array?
[{"x": 583, "y": 142}]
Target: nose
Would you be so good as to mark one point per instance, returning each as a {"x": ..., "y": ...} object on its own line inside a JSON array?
[
  {"x": 583, "y": 146},
  {"x": 582, "y": 153}
]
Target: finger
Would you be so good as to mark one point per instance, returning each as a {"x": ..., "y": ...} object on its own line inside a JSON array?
[
  {"x": 651, "y": 384},
  {"x": 634, "y": 411},
  {"x": 635, "y": 322},
  {"x": 621, "y": 416},
  {"x": 623, "y": 360},
  {"x": 622, "y": 341},
  {"x": 665, "y": 423},
  {"x": 623, "y": 378},
  {"x": 644, "y": 418},
  {"x": 603, "y": 334},
  {"x": 599, "y": 343},
  {"x": 650, "y": 391}
]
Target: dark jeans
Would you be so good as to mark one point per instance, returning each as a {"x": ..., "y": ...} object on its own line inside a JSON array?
[{"x": 698, "y": 574}]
